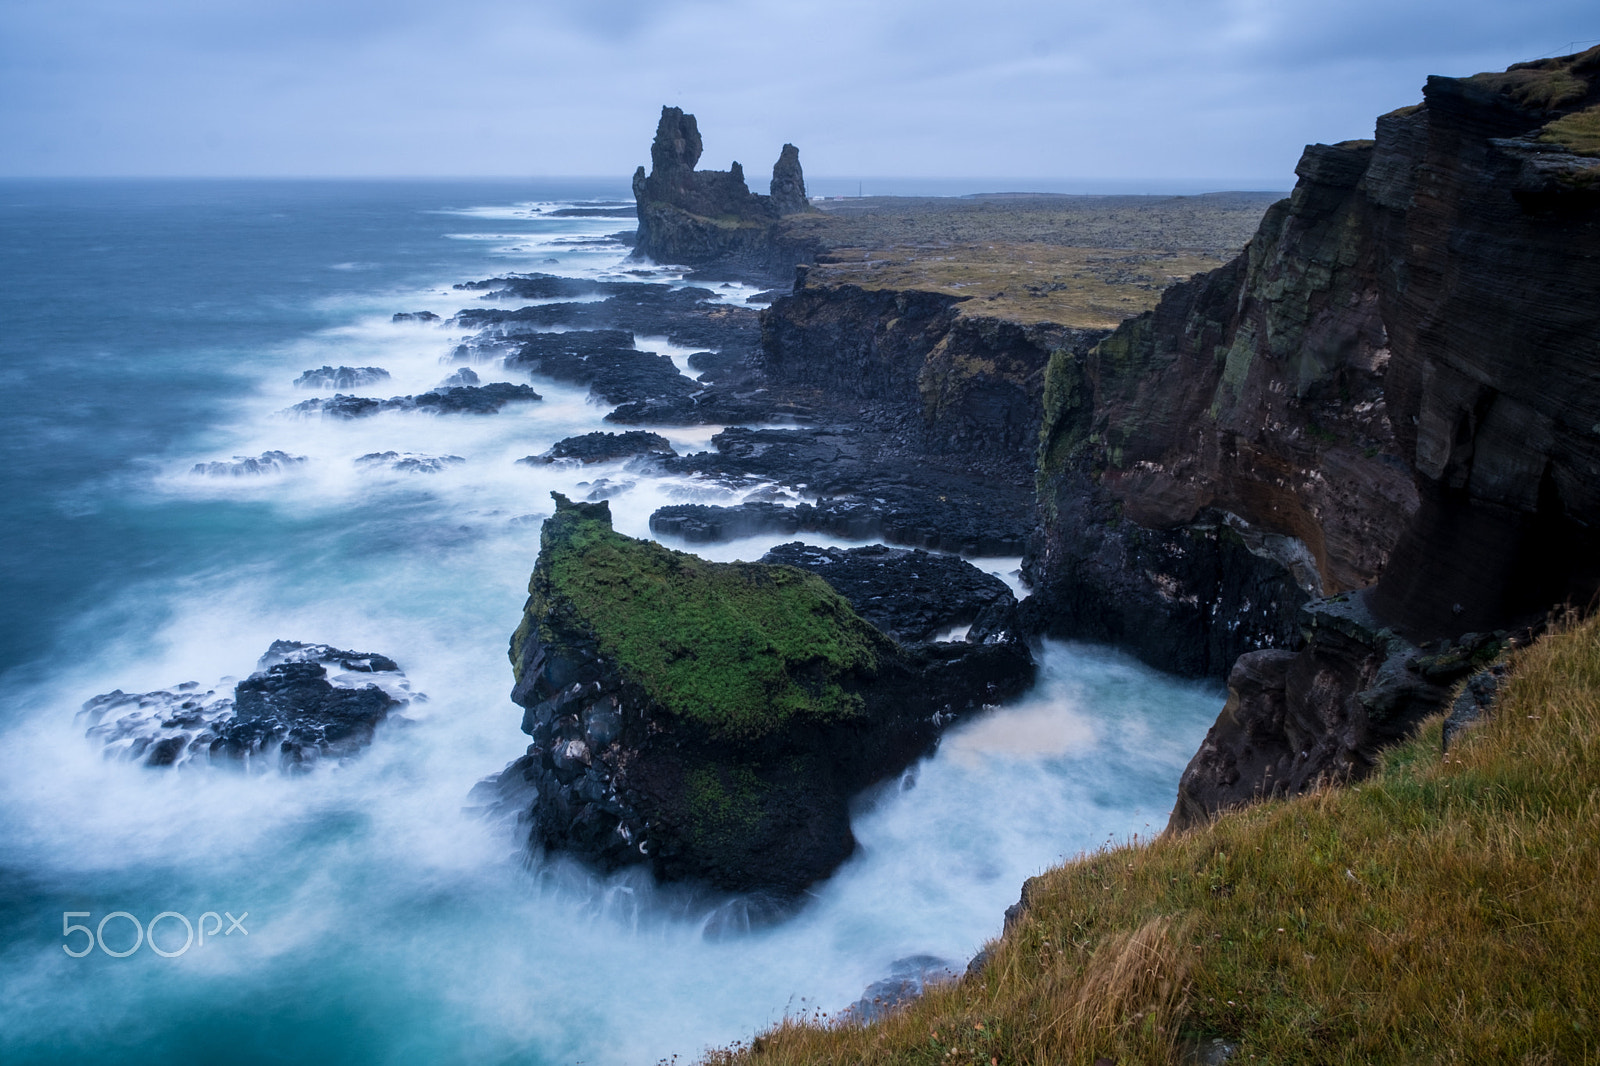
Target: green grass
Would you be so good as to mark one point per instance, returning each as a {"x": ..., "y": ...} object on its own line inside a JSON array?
[
  {"x": 1544, "y": 83},
  {"x": 743, "y": 649},
  {"x": 1579, "y": 131},
  {"x": 1443, "y": 910}
]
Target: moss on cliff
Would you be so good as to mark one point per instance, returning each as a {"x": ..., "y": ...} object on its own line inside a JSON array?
[{"x": 742, "y": 649}]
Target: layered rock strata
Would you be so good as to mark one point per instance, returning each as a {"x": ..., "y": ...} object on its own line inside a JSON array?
[{"x": 1394, "y": 386}]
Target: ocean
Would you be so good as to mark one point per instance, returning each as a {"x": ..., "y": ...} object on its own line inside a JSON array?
[{"x": 371, "y": 915}]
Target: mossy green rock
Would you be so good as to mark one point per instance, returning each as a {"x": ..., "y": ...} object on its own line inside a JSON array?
[{"x": 713, "y": 719}]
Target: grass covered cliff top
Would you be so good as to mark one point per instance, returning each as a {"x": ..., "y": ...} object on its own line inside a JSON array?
[
  {"x": 1444, "y": 910},
  {"x": 742, "y": 649},
  {"x": 1082, "y": 288},
  {"x": 1077, "y": 261}
]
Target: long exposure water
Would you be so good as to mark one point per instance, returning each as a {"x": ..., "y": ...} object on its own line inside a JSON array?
[{"x": 151, "y": 326}]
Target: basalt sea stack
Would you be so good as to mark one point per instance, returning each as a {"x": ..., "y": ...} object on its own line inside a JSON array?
[
  {"x": 712, "y": 720},
  {"x": 709, "y": 218}
]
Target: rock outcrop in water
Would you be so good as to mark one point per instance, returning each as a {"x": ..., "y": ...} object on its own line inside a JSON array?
[
  {"x": 1397, "y": 385},
  {"x": 304, "y": 702},
  {"x": 709, "y": 218},
  {"x": 713, "y": 720}
]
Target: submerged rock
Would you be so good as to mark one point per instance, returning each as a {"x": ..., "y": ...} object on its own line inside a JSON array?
[
  {"x": 409, "y": 462},
  {"x": 713, "y": 720},
  {"x": 907, "y": 979},
  {"x": 304, "y": 702},
  {"x": 341, "y": 377},
  {"x": 273, "y": 462}
]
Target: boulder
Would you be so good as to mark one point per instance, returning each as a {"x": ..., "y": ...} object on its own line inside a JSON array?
[{"x": 304, "y": 702}]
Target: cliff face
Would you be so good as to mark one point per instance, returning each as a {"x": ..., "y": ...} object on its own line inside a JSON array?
[
  {"x": 710, "y": 218},
  {"x": 958, "y": 384},
  {"x": 1394, "y": 385}
]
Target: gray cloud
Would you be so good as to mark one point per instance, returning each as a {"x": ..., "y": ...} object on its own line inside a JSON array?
[{"x": 1211, "y": 89}]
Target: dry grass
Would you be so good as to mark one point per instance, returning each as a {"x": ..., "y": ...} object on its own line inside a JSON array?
[
  {"x": 1579, "y": 131},
  {"x": 1445, "y": 910},
  {"x": 1085, "y": 288}
]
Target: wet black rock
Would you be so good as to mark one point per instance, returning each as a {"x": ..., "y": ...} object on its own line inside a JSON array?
[
  {"x": 1476, "y": 700},
  {"x": 603, "y": 448},
  {"x": 464, "y": 376},
  {"x": 476, "y": 400},
  {"x": 409, "y": 462},
  {"x": 273, "y": 462},
  {"x": 341, "y": 377},
  {"x": 339, "y": 405},
  {"x": 303, "y": 703},
  {"x": 910, "y": 594},
  {"x": 464, "y": 399},
  {"x": 689, "y": 316},
  {"x": 862, "y": 492},
  {"x": 604, "y": 360},
  {"x": 537, "y": 287},
  {"x": 415, "y": 316},
  {"x": 708, "y": 407}
]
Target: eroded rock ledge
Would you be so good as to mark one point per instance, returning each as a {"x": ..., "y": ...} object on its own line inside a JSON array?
[{"x": 712, "y": 720}]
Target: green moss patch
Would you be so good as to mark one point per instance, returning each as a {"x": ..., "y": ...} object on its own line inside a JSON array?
[{"x": 743, "y": 649}]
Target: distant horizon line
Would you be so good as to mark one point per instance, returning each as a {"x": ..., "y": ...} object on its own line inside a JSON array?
[
  {"x": 621, "y": 178},
  {"x": 821, "y": 186}
]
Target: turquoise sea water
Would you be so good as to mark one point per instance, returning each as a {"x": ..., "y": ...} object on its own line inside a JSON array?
[{"x": 150, "y": 326}]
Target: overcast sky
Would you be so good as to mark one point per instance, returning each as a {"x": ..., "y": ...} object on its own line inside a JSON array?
[{"x": 1097, "y": 89}]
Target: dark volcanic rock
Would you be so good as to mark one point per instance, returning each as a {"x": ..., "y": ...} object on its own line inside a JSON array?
[
  {"x": 1396, "y": 387},
  {"x": 962, "y": 384},
  {"x": 684, "y": 315},
  {"x": 475, "y": 400},
  {"x": 710, "y": 218},
  {"x": 1295, "y": 720},
  {"x": 464, "y": 399},
  {"x": 912, "y": 595},
  {"x": 615, "y": 372},
  {"x": 410, "y": 462},
  {"x": 273, "y": 462},
  {"x": 304, "y": 702},
  {"x": 341, "y": 377},
  {"x": 408, "y": 316},
  {"x": 464, "y": 376},
  {"x": 604, "y": 447},
  {"x": 339, "y": 405},
  {"x": 864, "y": 493},
  {"x": 713, "y": 720}
]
